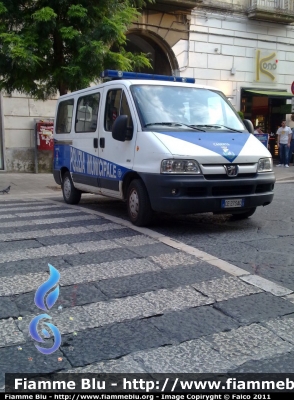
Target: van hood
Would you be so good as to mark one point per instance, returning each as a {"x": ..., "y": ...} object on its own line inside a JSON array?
[{"x": 231, "y": 146}]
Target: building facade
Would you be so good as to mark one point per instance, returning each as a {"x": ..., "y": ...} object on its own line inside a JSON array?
[{"x": 242, "y": 47}]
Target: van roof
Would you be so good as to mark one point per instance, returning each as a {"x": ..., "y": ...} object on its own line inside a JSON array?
[{"x": 130, "y": 82}]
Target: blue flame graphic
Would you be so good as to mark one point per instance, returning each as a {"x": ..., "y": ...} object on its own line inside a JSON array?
[
  {"x": 50, "y": 301},
  {"x": 45, "y": 287},
  {"x": 35, "y": 335}
]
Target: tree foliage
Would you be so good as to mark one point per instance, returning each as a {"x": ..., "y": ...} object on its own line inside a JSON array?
[{"x": 63, "y": 45}]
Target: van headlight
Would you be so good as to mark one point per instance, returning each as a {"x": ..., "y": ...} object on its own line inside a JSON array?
[
  {"x": 265, "y": 165},
  {"x": 179, "y": 167}
]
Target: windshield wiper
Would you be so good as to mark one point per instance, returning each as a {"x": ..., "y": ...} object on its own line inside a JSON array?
[
  {"x": 220, "y": 126},
  {"x": 175, "y": 124}
]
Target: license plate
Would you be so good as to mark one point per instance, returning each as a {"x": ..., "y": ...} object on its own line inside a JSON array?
[{"x": 232, "y": 203}]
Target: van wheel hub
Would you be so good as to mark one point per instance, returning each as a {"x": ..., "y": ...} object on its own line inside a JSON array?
[
  {"x": 134, "y": 203},
  {"x": 67, "y": 188}
]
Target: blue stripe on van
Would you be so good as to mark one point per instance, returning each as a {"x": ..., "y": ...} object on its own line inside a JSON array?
[
  {"x": 82, "y": 163},
  {"x": 227, "y": 144}
]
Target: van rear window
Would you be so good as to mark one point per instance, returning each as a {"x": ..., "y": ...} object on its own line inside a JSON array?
[
  {"x": 87, "y": 113},
  {"x": 64, "y": 116}
]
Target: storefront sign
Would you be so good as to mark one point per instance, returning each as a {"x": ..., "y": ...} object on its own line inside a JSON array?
[
  {"x": 266, "y": 65},
  {"x": 263, "y": 138}
]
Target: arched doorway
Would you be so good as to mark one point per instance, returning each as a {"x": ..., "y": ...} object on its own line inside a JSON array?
[{"x": 162, "y": 57}]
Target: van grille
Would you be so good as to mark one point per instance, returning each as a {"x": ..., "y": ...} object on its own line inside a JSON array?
[
  {"x": 232, "y": 190},
  {"x": 196, "y": 192},
  {"x": 217, "y": 177}
]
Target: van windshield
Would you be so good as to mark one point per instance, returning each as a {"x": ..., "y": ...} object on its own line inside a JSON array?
[{"x": 198, "y": 108}]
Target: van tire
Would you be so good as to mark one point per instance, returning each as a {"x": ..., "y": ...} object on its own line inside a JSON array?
[
  {"x": 71, "y": 195},
  {"x": 138, "y": 203},
  {"x": 245, "y": 214}
]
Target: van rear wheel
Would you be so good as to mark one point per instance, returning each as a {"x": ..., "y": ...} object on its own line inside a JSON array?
[
  {"x": 245, "y": 214},
  {"x": 139, "y": 208},
  {"x": 71, "y": 195}
]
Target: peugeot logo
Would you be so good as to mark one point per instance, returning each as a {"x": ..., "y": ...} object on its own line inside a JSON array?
[{"x": 231, "y": 170}]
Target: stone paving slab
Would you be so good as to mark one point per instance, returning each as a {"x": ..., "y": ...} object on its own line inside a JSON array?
[
  {"x": 58, "y": 250},
  {"x": 116, "y": 231},
  {"x": 18, "y": 245},
  {"x": 28, "y": 207},
  {"x": 280, "y": 364},
  {"x": 105, "y": 270},
  {"x": 193, "y": 323},
  {"x": 190, "y": 274},
  {"x": 252, "y": 342},
  {"x": 255, "y": 308},
  {"x": 31, "y": 266},
  {"x": 110, "y": 342},
  {"x": 176, "y": 299},
  {"x": 70, "y": 239},
  {"x": 68, "y": 320},
  {"x": 282, "y": 327},
  {"x": 69, "y": 296},
  {"x": 130, "y": 285},
  {"x": 85, "y": 247},
  {"x": 21, "y": 283},
  {"x": 76, "y": 222},
  {"x": 155, "y": 249},
  {"x": 25, "y": 358},
  {"x": 37, "y": 234},
  {"x": 8, "y": 226},
  {"x": 168, "y": 260},
  {"x": 9, "y": 333},
  {"x": 117, "y": 254},
  {"x": 225, "y": 288},
  {"x": 42, "y": 213},
  {"x": 8, "y": 308},
  {"x": 189, "y": 357},
  {"x": 125, "y": 365},
  {"x": 145, "y": 305}
]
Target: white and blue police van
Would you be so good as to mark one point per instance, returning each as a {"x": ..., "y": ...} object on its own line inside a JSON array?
[{"x": 162, "y": 144}]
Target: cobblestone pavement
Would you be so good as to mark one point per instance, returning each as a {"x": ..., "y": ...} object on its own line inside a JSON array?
[{"x": 137, "y": 300}]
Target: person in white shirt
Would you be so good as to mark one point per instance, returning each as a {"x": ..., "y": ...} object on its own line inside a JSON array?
[
  {"x": 257, "y": 130},
  {"x": 283, "y": 141},
  {"x": 291, "y": 149}
]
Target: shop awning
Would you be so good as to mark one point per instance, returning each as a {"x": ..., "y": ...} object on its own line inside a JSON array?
[{"x": 271, "y": 93}]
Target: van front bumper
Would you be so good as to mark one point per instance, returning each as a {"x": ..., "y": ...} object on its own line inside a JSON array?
[{"x": 190, "y": 194}]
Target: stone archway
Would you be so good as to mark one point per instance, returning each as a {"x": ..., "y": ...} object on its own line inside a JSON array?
[{"x": 162, "y": 57}]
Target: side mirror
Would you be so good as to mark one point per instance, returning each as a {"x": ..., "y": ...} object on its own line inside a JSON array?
[
  {"x": 248, "y": 125},
  {"x": 119, "y": 128}
]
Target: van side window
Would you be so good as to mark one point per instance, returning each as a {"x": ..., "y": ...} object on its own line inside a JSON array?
[
  {"x": 116, "y": 104},
  {"x": 125, "y": 110},
  {"x": 64, "y": 116},
  {"x": 87, "y": 113},
  {"x": 112, "y": 108}
]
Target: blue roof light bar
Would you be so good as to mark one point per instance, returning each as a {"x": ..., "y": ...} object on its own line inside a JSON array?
[{"x": 113, "y": 74}]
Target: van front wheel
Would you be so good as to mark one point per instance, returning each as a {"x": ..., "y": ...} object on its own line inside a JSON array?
[
  {"x": 71, "y": 195},
  {"x": 139, "y": 208}
]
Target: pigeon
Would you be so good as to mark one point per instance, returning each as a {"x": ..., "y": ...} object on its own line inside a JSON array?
[{"x": 5, "y": 190}]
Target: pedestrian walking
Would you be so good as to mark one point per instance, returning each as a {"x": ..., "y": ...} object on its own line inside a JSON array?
[
  {"x": 291, "y": 149},
  {"x": 284, "y": 134}
]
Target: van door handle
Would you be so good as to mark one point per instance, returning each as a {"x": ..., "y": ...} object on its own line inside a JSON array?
[
  {"x": 102, "y": 142},
  {"x": 95, "y": 143}
]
